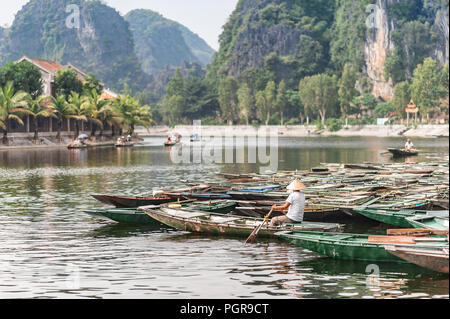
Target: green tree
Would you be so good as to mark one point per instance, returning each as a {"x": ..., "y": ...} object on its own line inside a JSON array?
[
  {"x": 425, "y": 87},
  {"x": 383, "y": 110},
  {"x": 228, "y": 99},
  {"x": 245, "y": 102},
  {"x": 319, "y": 92},
  {"x": 131, "y": 113},
  {"x": 174, "y": 101},
  {"x": 12, "y": 107},
  {"x": 66, "y": 82},
  {"x": 92, "y": 83},
  {"x": 61, "y": 109},
  {"x": 270, "y": 94},
  {"x": 401, "y": 98},
  {"x": 38, "y": 108},
  {"x": 261, "y": 105},
  {"x": 25, "y": 76},
  {"x": 295, "y": 103},
  {"x": 98, "y": 108},
  {"x": 282, "y": 100},
  {"x": 80, "y": 110},
  {"x": 347, "y": 90}
]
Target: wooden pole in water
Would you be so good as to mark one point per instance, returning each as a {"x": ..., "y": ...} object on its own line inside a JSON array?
[{"x": 255, "y": 232}]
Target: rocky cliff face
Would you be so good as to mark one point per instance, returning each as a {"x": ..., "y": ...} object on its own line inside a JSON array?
[
  {"x": 309, "y": 37},
  {"x": 379, "y": 43},
  {"x": 441, "y": 24}
]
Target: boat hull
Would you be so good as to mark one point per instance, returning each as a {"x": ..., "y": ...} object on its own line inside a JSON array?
[
  {"x": 339, "y": 249},
  {"x": 430, "y": 259},
  {"x": 233, "y": 228},
  {"x": 402, "y": 153},
  {"x": 389, "y": 219},
  {"x": 130, "y": 202},
  {"x": 126, "y": 216}
]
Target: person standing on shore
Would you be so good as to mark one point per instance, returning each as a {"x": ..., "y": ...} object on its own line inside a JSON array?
[{"x": 295, "y": 204}]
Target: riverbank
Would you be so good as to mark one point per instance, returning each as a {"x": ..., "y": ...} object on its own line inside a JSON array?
[
  {"x": 425, "y": 131},
  {"x": 49, "y": 140}
]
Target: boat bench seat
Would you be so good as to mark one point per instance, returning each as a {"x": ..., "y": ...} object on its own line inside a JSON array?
[{"x": 220, "y": 220}]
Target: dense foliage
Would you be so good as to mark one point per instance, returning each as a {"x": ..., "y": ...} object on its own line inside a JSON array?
[
  {"x": 74, "y": 100},
  {"x": 162, "y": 43}
]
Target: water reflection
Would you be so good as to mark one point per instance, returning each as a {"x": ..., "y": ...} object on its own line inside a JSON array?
[{"x": 46, "y": 239}]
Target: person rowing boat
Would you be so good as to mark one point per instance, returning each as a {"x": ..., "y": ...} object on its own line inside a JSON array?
[
  {"x": 409, "y": 146},
  {"x": 295, "y": 204}
]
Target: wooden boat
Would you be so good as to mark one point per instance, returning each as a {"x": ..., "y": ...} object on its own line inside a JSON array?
[
  {"x": 402, "y": 153},
  {"x": 434, "y": 259},
  {"x": 441, "y": 203},
  {"x": 357, "y": 247},
  {"x": 170, "y": 144},
  {"x": 396, "y": 217},
  {"x": 214, "y": 224},
  {"x": 429, "y": 222},
  {"x": 197, "y": 196},
  {"x": 127, "y": 144},
  {"x": 312, "y": 212},
  {"x": 131, "y": 201},
  {"x": 135, "y": 216},
  {"x": 76, "y": 146},
  {"x": 123, "y": 215},
  {"x": 274, "y": 196}
]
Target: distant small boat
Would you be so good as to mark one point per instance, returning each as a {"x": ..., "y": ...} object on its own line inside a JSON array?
[
  {"x": 430, "y": 258},
  {"x": 126, "y": 144},
  {"x": 170, "y": 144},
  {"x": 75, "y": 146},
  {"x": 195, "y": 138},
  {"x": 402, "y": 153}
]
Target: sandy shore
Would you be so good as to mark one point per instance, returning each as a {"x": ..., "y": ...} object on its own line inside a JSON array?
[{"x": 427, "y": 131}]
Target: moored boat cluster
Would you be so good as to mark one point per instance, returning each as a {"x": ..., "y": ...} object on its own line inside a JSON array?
[{"x": 412, "y": 199}]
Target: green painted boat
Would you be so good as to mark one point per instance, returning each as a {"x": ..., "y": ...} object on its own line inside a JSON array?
[
  {"x": 135, "y": 216},
  {"x": 122, "y": 215},
  {"x": 428, "y": 222},
  {"x": 350, "y": 246},
  {"x": 396, "y": 217},
  {"x": 229, "y": 225}
]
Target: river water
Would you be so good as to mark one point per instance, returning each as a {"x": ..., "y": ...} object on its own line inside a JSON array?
[{"x": 50, "y": 249}]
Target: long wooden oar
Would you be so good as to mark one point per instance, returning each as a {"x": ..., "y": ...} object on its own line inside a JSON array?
[{"x": 255, "y": 232}]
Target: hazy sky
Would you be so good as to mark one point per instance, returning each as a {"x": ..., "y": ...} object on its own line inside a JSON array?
[{"x": 204, "y": 17}]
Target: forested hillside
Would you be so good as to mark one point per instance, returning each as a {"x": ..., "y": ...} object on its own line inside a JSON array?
[
  {"x": 291, "y": 61},
  {"x": 162, "y": 43}
]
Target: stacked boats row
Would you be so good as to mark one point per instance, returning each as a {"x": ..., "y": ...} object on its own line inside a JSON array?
[{"x": 413, "y": 200}]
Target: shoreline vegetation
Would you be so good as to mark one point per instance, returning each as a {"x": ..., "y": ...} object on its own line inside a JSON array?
[
  {"x": 25, "y": 140},
  {"x": 423, "y": 131}
]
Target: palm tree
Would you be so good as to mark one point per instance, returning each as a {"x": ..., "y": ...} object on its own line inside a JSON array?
[
  {"x": 80, "y": 110},
  {"x": 62, "y": 109},
  {"x": 112, "y": 119},
  {"x": 38, "y": 108},
  {"x": 98, "y": 108},
  {"x": 131, "y": 113},
  {"x": 12, "y": 106}
]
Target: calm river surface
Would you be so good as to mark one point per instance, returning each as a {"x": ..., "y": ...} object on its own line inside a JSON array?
[{"x": 50, "y": 249}]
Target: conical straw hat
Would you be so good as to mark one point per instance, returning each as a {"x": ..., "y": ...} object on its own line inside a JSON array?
[{"x": 296, "y": 186}]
